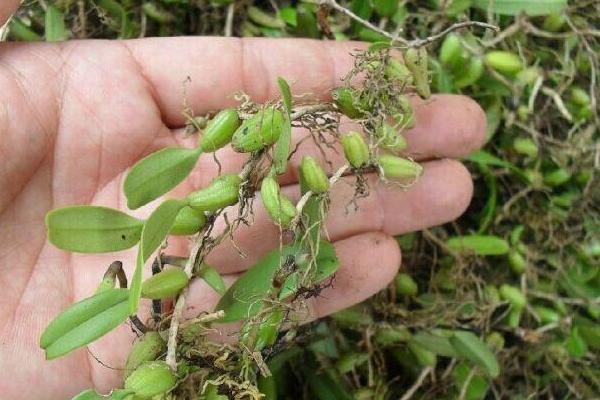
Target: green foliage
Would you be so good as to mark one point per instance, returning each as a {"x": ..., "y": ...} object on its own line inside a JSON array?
[
  {"x": 155, "y": 231},
  {"x": 514, "y": 7},
  {"x": 243, "y": 298},
  {"x": 55, "y": 25},
  {"x": 213, "y": 279},
  {"x": 469, "y": 346},
  {"x": 483, "y": 245},
  {"x": 90, "y": 394},
  {"x": 157, "y": 174},
  {"x": 92, "y": 229},
  {"x": 284, "y": 143},
  {"x": 84, "y": 322},
  {"x": 538, "y": 170}
]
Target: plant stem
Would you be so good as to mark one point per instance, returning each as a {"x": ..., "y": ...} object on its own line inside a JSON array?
[
  {"x": 200, "y": 249},
  {"x": 412, "y": 390},
  {"x": 202, "y": 246}
]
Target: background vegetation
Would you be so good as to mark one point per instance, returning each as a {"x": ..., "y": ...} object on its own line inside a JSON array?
[{"x": 521, "y": 269}]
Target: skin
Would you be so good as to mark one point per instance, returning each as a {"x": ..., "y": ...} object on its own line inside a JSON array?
[{"x": 75, "y": 116}]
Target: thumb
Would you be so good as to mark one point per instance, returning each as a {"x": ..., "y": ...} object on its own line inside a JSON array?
[{"x": 7, "y": 8}]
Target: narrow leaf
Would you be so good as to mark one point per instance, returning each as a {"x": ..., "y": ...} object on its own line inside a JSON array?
[
  {"x": 439, "y": 345},
  {"x": 158, "y": 225},
  {"x": 155, "y": 231},
  {"x": 327, "y": 265},
  {"x": 213, "y": 279},
  {"x": 135, "y": 288},
  {"x": 243, "y": 298},
  {"x": 90, "y": 394},
  {"x": 481, "y": 245},
  {"x": 488, "y": 212},
  {"x": 92, "y": 229},
  {"x": 378, "y": 46},
  {"x": 20, "y": 31},
  {"x": 283, "y": 147},
  {"x": 286, "y": 94},
  {"x": 487, "y": 158},
  {"x": 483, "y": 157},
  {"x": 325, "y": 384},
  {"x": 157, "y": 174},
  {"x": 55, "y": 25},
  {"x": 84, "y": 322},
  {"x": 473, "y": 349},
  {"x": 575, "y": 344},
  {"x": 116, "y": 11},
  {"x": 530, "y": 7}
]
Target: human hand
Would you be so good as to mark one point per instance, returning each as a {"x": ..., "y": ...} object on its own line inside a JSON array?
[{"x": 75, "y": 116}]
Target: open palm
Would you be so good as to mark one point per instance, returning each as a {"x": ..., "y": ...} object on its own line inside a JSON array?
[{"x": 75, "y": 116}]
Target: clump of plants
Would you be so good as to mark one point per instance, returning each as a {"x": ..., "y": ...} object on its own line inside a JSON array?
[
  {"x": 176, "y": 358},
  {"x": 520, "y": 268}
]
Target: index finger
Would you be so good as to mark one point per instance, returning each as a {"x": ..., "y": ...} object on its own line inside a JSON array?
[
  {"x": 7, "y": 8},
  {"x": 219, "y": 67}
]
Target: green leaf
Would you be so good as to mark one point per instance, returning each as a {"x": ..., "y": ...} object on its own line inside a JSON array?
[
  {"x": 157, "y": 174},
  {"x": 155, "y": 231},
  {"x": 477, "y": 386},
  {"x": 589, "y": 331},
  {"x": 576, "y": 346},
  {"x": 286, "y": 93},
  {"x": 327, "y": 262},
  {"x": 125, "y": 27},
  {"x": 530, "y": 7},
  {"x": 362, "y": 8},
  {"x": 326, "y": 385},
  {"x": 20, "y": 31},
  {"x": 458, "y": 6},
  {"x": 487, "y": 214},
  {"x": 288, "y": 14},
  {"x": 92, "y": 229},
  {"x": 469, "y": 346},
  {"x": 483, "y": 157},
  {"x": 306, "y": 22},
  {"x": 55, "y": 25},
  {"x": 378, "y": 46},
  {"x": 436, "y": 344},
  {"x": 442, "y": 79},
  {"x": 284, "y": 143},
  {"x": 213, "y": 279},
  {"x": 244, "y": 298},
  {"x": 84, "y": 322},
  {"x": 481, "y": 245},
  {"x": 487, "y": 158},
  {"x": 136, "y": 284},
  {"x": 327, "y": 265},
  {"x": 90, "y": 394},
  {"x": 283, "y": 146}
]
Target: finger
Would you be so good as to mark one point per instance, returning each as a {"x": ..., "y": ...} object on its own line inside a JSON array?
[
  {"x": 441, "y": 194},
  {"x": 216, "y": 68},
  {"x": 368, "y": 263},
  {"x": 447, "y": 126}
]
